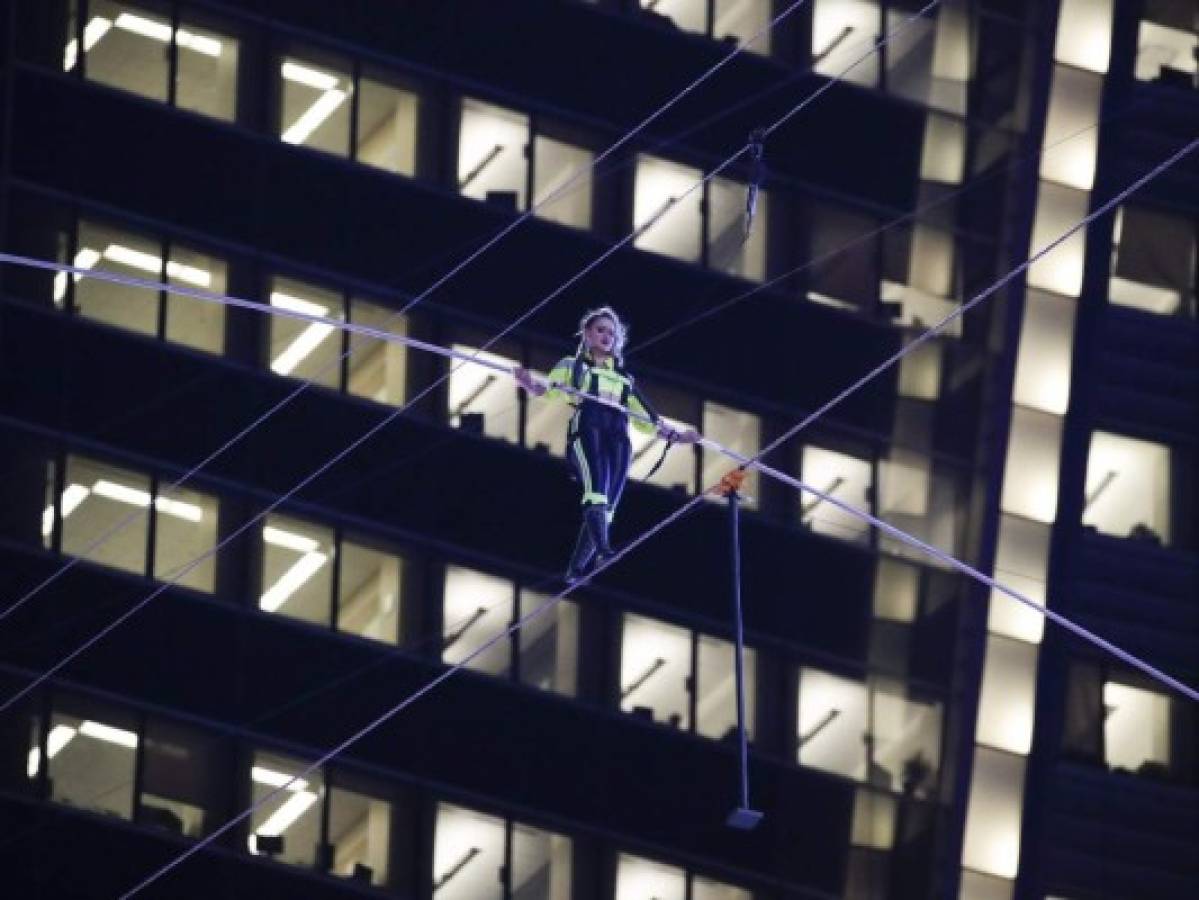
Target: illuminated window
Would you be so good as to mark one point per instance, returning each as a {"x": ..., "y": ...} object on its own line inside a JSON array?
[
  {"x": 315, "y": 105},
  {"x": 844, "y": 477},
  {"x": 1084, "y": 34},
  {"x": 1167, "y": 39},
  {"x": 288, "y": 827},
  {"x": 360, "y": 831},
  {"x": 1058, "y": 209},
  {"x": 832, "y": 723},
  {"x": 1021, "y": 563},
  {"x": 477, "y": 607},
  {"x": 716, "y": 688},
  {"x": 729, "y": 249},
  {"x": 842, "y": 31},
  {"x": 125, "y": 46},
  {"x": 493, "y": 154},
  {"x": 655, "y": 669},
  {"x": 547, "y": 421},
  {"x": 637, "y": 879},
  {"x": 1136, "y": 727},
  {"x": 668, "y": 219},
  {"x": 109, "y": 250},
  {"x": 98, "y": 498},
  {"x": 1128, "y": 487},
  {"x": 739, "y": 431},
  {"x": 844, "y": 270},
  {"x": 555, "y": 163},
  {"x": 707, "y": 889},
  {"x": 943, "y": 154},
  {"x": 189, "y": 321},
  {"x": 1030, "y": 478},
  {"x": 91, "y": 755},
  {"x": 689, "y": 15},
  {"x": 377, "y": 369},
  {"x": 976, "y": 886},
  {"x": 929, "y": 60},
  {"x": 549, "y": 644},
  {"x": 297, "y": 569},
  {"x": 182, "y": 788},
  {"x": 742, "y": 19},
  {"x": 483, "y": 400},
  {"x": 307, "y": 350},
  {"x": 1045, "y": 353},
  {"x": 369, "y": 592},
  {"x": 873, "y": 820},
  {"x": 541, "y": 864},
  {"x": 1073, "y": 109},
  {"x": 1153, "y": 261},
  {"x": 1008, "y": 694},
  {"x": 185, "y": 529},
  {"x": 896, "y": 590},
  {"x": 992, "y": 839},
  {"x": 387, "y": 123},
  {"x": 468, "y": 855},
  {"x": 206, "y": 79}
]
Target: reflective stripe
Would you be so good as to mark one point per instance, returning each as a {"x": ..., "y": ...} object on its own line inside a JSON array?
[
  {"x": 590, "y": 498},
  {"x": 584, "y": 469}
]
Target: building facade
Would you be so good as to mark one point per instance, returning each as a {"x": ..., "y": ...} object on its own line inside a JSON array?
[{"x": 911, "y": 735}]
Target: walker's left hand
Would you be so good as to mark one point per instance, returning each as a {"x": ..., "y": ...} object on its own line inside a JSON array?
[{"x": 687, "y": 436}]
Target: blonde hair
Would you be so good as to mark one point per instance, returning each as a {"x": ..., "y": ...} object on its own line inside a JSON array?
[{"x": 620, "y": 329}]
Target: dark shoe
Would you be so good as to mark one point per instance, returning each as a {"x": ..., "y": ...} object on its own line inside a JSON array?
[
  {"x": 595, "y": 517},
  {"x": 580, "y": 560}
]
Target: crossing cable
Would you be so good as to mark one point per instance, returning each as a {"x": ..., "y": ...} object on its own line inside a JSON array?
[
  {"x": 745, "y": 462},
  {"x": 441, "y": 281},
  {"x": 375, "y": 429}
]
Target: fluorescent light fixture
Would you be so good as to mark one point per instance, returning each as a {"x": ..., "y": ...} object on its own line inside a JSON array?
[
  {"x": 95, "y": 29},
  {"x": 203, "y": 45},
  {"x": 313, "y": 117},
  {"x": 180, "y": 510},
  {"x": 145, "y": 27},
  {"x": 307, "y": 341},
  {"x": 86, "y": 258},
  {"x": 72, "y": 496},
  {"x": 312, "y": 78},
  {"x": 148, "y": 262},
  {"x": 121, "y": 493},
  {"x": 271, "y": 778},
  {"x": 59, "y": 737},
  {"x": 109, "y": 735},
  {"x": 287, "y": 814},
  {"x": 289, "y": 539},
  {"x": 291, "y": 581}
]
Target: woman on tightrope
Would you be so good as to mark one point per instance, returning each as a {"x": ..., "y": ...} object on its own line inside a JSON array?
[{"x": 598, "y": 437}]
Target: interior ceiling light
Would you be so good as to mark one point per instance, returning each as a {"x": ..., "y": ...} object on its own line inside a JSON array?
[
  {"x": 308, "y": 339},
  {"x": 291, "y": 581}
]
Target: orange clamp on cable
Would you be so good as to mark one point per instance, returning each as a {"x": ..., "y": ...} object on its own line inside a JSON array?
[{"x": 730, "y": 483}]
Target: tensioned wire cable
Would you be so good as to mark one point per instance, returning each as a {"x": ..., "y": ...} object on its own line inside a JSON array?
[
  {"x": 755, "y": 462},
  {"x": 387, "y": 420},
  {"x": 440, "y": 282}
]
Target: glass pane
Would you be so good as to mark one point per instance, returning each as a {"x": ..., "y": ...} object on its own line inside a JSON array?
[
  {"x": 126, "y": 46},
  {"x": 481, "y": 399},
  {"x": 929, "y": 60},
  {"x": 873, "y": 820},
  {"x": 1007, "y": 696},
  {"x": 315, "y": 112},
  {"x": 676, "y": 471},
  {"x": 1136, "y": 728},
  {"x": 1153, "y": 261},
  {"x": 739, "y": 431},
  {"x": 360, "y": 835},
  {"x": 842, "y": 476},
  {"x": 655, "y": 667},
  {"x": 92, "y": 758},
  {"x": 1058, "y": 209},
  {"x": 468, "y": 855},
  {"x": 905, "y": 741},
  {"x": 196, "y": 323},
  {"x": 306, "y": 350},
  {"x": 1163, "y": 51},
  {"x": 368, "y": 595},
  {"x": 387, "y": 122},
  {"x": 845, "y": 258},
  {"x": 555, "y": 164},
  {"x": 1084, "y": 34},
  {"x": 1073, "y": 108},
  {"x": 1128, "y": 487},
  {"x": 843, "y": 30},
  {"x": 546, "y": 422},
  {"x": 206, "y": 81},
  {"x": 729, "y": 249},
  {"x": 98, "y": 498},
  {"x": 716, "y": 688},
  {"x": 109, "y": 250},
  {"x": 182, "y": 780},
  {"x": 477, "y": 607},
  {"x": 186, "y": 529},
  {"x": 288, "y": 828},
  {"x": 1031, "y": 469},
  {"x": 492, "y": 153},
  {"x": 378, "y": 369},
  {"x": 541, "y": 864},
  {"x": 672, "y": 222},
  {"x": 48, "y": 520},
  {"x": 1045, "y": 353},
  {"x": 549, "y": 644},
  {"x": 640, "y": 879},
  {"x": 832, "y": 723},
  {"x": 743, "y": 19},
  {"x": 297, "y": 567},
  {"x": 992, "y": 839},
  {"x": 690, "y": 15}
]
